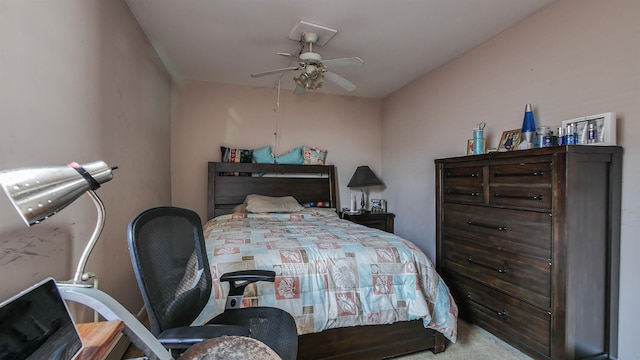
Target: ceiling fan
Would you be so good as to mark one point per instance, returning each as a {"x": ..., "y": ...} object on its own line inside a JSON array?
[{"x": 314, "y": 68}]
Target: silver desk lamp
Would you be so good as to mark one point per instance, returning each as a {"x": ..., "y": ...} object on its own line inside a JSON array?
[{"x": 38, "y": 193}]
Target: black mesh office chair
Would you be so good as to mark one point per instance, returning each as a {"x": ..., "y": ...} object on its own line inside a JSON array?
[{"x": 167, "y": 250}]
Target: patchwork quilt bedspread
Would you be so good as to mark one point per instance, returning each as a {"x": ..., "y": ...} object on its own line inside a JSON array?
[{"x": 329, "y": 272}]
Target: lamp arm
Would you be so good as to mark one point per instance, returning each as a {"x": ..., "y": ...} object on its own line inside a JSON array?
[
  {"x": 112, "y": 310},
  {"x": 79, "y": 275}
]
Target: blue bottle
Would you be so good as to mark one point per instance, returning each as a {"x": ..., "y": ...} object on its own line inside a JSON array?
[
  {"x": 561, "y": 137},
  {"x": 478, "y": 139},
  {"x": 571, "y": 136}
]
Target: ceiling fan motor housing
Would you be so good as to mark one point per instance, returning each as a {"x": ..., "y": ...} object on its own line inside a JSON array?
[{"x": 310, "y": 58}]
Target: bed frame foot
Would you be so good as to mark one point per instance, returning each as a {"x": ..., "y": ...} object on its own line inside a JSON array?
[{"x": 439, "y": 343}]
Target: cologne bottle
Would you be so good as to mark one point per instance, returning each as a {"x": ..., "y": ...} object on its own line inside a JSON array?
[{"x": 592, "y": 135}]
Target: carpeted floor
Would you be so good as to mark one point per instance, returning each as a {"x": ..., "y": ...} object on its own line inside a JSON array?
[{"x": 474, "y": 343}]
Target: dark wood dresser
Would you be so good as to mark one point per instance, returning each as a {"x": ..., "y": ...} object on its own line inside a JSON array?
[{"x": 529, "y": 243}]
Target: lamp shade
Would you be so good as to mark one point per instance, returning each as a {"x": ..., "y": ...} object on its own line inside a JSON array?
[
  {"x": 40, "y": 192},
  {"x": 364, "y": 176}
]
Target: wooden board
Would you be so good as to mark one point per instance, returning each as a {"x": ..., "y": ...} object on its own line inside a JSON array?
[{"x": 99, "y": 338}]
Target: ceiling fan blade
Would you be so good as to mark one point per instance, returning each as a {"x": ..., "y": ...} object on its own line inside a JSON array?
[
  {"x": 289, "y": 55},
  {"x": 276, "y": 71},
  {"x": 342, "y": 82},
  {"x": 352, "y": 61}
]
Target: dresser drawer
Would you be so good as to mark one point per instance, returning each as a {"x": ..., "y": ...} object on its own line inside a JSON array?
[
  {"x": 521, "y": 185},
  {"x": 521, "y": 173},
  {"x": 463, "y": 184},
  {"x": 523, "y": 232},
  {"x": 523, "y": 277},
  {"x": 502, "y": 314},
  {"x": 520, "y": 197}
]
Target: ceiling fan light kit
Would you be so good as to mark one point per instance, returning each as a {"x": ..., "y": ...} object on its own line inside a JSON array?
[
  {"x": 314, "y": 68},
  {"x": 311, "y": 79}
]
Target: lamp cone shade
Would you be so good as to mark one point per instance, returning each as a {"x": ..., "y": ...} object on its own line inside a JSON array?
[
  {"x": 40, "y": 192},
  {"x": 364, "y": 176}
]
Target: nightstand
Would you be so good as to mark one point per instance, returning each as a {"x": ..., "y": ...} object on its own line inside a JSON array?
[{"x": 382, "y": 221}]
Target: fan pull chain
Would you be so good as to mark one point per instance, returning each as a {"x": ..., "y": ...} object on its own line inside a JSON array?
[
  {"x": 275, "y": 132},
  {"x": 278, "y": 98}
]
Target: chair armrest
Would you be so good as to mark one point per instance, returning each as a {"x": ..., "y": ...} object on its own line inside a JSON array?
[
  {"x": 184, "y": 337},
  {"x": 240, "y": 279},
  {"x": 249, "y": 275}
]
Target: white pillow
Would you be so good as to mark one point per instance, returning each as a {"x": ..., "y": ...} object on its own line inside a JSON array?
[{"x": 261, "y": 204}]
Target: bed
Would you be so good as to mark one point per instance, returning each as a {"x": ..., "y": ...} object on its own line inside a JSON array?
[{"x": 392, "y": 324}]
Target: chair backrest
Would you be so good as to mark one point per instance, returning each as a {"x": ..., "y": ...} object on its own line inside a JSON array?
[{"x": 168, "y": 254}]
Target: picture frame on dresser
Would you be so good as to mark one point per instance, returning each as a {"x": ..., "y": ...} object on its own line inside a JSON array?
[
  {"x": 470, "y": 146},
  {"x": 377, "y": 206},
  {"x": 510, "y": 140},
  {"x": 604, "y": 124}
]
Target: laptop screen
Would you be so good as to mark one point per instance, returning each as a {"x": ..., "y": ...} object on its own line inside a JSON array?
[{"x": 36, "y": 324}]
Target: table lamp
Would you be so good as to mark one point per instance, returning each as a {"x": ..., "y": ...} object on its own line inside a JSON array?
[
  {"x": 38, "y": 193},
  {"x": 363, "y": 177}
]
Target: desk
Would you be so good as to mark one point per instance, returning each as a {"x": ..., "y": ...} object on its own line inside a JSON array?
[{"x": 99, "y": 338}]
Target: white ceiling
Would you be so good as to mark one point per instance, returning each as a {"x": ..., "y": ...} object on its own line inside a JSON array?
[{"x": 224, "y": 41}]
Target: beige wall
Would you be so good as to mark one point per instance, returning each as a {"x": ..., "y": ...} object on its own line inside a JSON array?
[
  {"x": 207, "y": 116},
  {"x": 80, "y": 82},
  {"x": 571, "y": 59}
]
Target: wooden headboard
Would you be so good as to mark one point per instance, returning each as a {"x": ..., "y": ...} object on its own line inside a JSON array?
[{"x": 307, "y": 183}]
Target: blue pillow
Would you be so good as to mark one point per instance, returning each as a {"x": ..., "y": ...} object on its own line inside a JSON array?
[
  {"x": 263, "y": 155},
  {"x": 293, "y": 157}
]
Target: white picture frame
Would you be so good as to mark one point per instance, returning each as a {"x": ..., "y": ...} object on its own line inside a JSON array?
[{"x": 605, "y": 124}]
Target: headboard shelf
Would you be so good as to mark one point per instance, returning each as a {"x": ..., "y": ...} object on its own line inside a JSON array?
[{"x": 307, "y": 183}]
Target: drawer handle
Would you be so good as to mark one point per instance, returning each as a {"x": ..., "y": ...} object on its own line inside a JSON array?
[
  {"x": 502, "y": 315},
  {"x": 453, "y": 192},
  {"x": 502, "y": 270},
  {"x": 488, "y": 226},
  {"x": 473, "y": 175},
  {"x": 534, "y": 173},
  {"x": 538, "y": 197}
]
